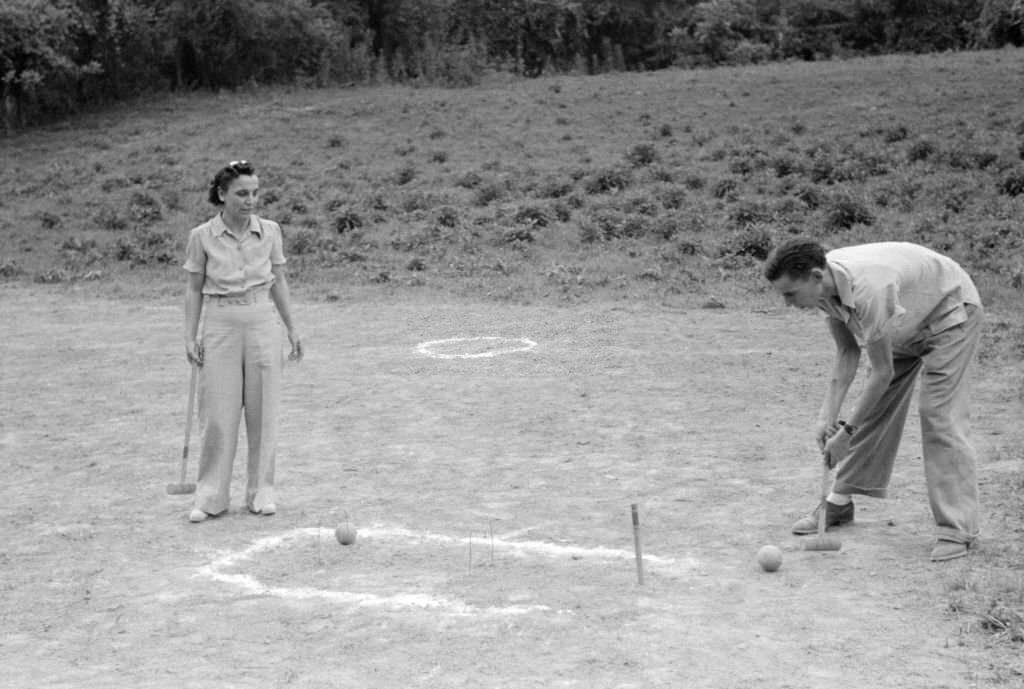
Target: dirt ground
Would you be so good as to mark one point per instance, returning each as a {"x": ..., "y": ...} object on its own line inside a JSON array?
[{"x": 492, "y": 495}]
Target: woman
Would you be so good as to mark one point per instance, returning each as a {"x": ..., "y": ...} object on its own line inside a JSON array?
[{"x": 237, "y": 283}]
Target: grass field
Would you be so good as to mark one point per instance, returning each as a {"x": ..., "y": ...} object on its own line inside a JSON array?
[{"x": 614, "y": 221}]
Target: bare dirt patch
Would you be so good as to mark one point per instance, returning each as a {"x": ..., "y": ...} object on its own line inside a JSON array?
[{"x": 493, "y": 500}]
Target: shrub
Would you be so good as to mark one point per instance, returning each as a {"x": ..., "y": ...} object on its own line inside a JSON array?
[
  {"x": 469, "y": 180},
  {"x": 553, "y": 187},
  {"x": 532, "y": 216},
  {"x": 515, "y": 235},
  {"x": 439, "y": 157},
  {"x": 694, "y": 182},
  {"x": 811, "y": 195},
  {"x": 920, "y": 150},
  {"x": 606, "y": 181},
  {"x": 446, "y": 216},
  {"x": 1013, "y": 183},
  {"x": 639, "y": 202},
  {"x": 894, "y": 134},
  {"x": 404, "y": 175},
  {"x": 642, "y": 155},
  {"x": 672, "y": 198},
  {"x": 145, "y": 247},
  {"x": 348, "y": 219},
  {"x": 303, "y": 241},
  {"x": 754, "y": 240},
  {"x": 611, "y": 224},
  {"x": 49, "y": 220},
  {"x": 10, "y": 270},
  {"x": 724, "y": 188},
  {"x": 561, "y": 211},
  {"x": 144, "y": 207},
  {"x": 420, "y": 200},
  {"x": 785, "y": 164},
  {"x": 961, "y": 158},
  {"x": 489, "y": 192},
  {"x": 748, "y": 212},
  {"x": 844, "y": 211}
]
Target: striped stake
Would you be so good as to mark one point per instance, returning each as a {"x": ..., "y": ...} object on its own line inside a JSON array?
[{"x": 636, "y": 545}]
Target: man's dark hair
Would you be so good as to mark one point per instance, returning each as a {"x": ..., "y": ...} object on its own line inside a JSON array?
[{"x": 794, "y": 258}]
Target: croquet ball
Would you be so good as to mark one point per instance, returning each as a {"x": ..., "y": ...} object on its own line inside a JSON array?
[
  {"x": 770, "y": 558},
  {"x": 345, "y": 534}
]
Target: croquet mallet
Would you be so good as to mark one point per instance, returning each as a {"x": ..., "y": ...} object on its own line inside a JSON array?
[
  {"x": 823, "y": 541},
  {"x": 182, "y": 487}
]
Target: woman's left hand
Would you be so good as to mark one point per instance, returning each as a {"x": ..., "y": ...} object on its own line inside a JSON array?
[{"x": 296, "y": 353}]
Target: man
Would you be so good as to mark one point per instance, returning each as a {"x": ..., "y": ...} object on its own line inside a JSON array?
[{"x": 911, "y": 309}]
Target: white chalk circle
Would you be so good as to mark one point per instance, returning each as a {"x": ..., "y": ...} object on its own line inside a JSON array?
[
  {"x": 229, "y": 568},
  {"x": 474, "y": 347}
]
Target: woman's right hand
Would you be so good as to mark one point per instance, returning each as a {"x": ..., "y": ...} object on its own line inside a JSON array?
[{"x": 194, "y": 352}]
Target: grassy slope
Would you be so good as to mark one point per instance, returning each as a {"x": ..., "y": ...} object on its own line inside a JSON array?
[
  {"x": 512, "y": 190},
  {"x": 662, "y": 187}
]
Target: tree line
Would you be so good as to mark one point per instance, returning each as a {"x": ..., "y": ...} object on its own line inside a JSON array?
[{"x": 58, "y": 56}]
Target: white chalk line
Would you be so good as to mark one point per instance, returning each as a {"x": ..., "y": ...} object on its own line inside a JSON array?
[
  {"x": 249, "y": 584},
  {"x": 524, "y": 345}
]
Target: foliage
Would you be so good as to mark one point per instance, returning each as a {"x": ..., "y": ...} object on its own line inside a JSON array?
[
  {"x": 56, "y": 57},
  {"x": 37, "y": 44}
]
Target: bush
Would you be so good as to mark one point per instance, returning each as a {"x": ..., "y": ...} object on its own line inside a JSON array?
[
  {"x": 672, "y": 198},
  {"x": 488, "y": 193},
  {"x": 606, "y": 181},
  {"x": 145, "y": 247},
  {"x": 561, "y": 211},
  {"x": 844, "y": 211},
  {"x": 610, "y": 224},
  {"x": 446, "y": 216},
  {"x": 748, "y": 212},
  {"x": 724, "y": 188},
  {"x": 694, "y": 182},
  {"x": 894, "y": 134},
  {"x": 553, "y": 187},
  {"x": 754, "y": 241},
  {"x": 10, "y": 270},
  {"x": 920, "y": 150},
  {"x": 785, "y": 164},
  {"x": 811, "y": 195},
  {"x": 404, "y": 175},
  {"x": 516, "y": 235},
  {"x": 1013, "y": 183},
  {"x": 469, "y": 180},
  {"x": 532, "y": 216},
  {"x": 348, "y": 219},
  {"x": 642, "y": 155},
  {"x": 303, "y": 241}
]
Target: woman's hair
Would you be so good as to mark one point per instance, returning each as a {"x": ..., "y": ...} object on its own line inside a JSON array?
[
  {"x": 225, "y": 176},
  {"x": 795, "y": 259}
]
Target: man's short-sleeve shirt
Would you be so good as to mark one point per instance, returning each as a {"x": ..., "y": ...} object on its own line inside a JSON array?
[
  {"x": 898, "y": 289},
  {"x": 233, "y": 264}
]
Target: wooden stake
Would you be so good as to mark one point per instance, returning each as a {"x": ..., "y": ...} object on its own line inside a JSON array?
[{"x": 636, "y": 545}]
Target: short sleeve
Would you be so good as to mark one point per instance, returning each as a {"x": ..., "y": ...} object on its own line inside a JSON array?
[
  {"x": 879, "y": 312},
  {"x": 195, "y": 254},
  {"x": 277, "y": 246}
]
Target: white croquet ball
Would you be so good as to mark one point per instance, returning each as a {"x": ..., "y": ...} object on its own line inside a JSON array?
[
  {"x": 346, "y": 534},
  {"x": 769, "y": 557}
]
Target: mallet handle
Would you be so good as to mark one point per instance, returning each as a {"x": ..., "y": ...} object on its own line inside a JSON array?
[
  {"x": 636, "y": 545},
  {"x": 188, "y": 420}
]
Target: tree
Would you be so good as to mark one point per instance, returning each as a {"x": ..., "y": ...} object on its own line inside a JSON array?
[
  {"x": 36, "y": 48},
  {"x": 1000, "y": 22}
]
